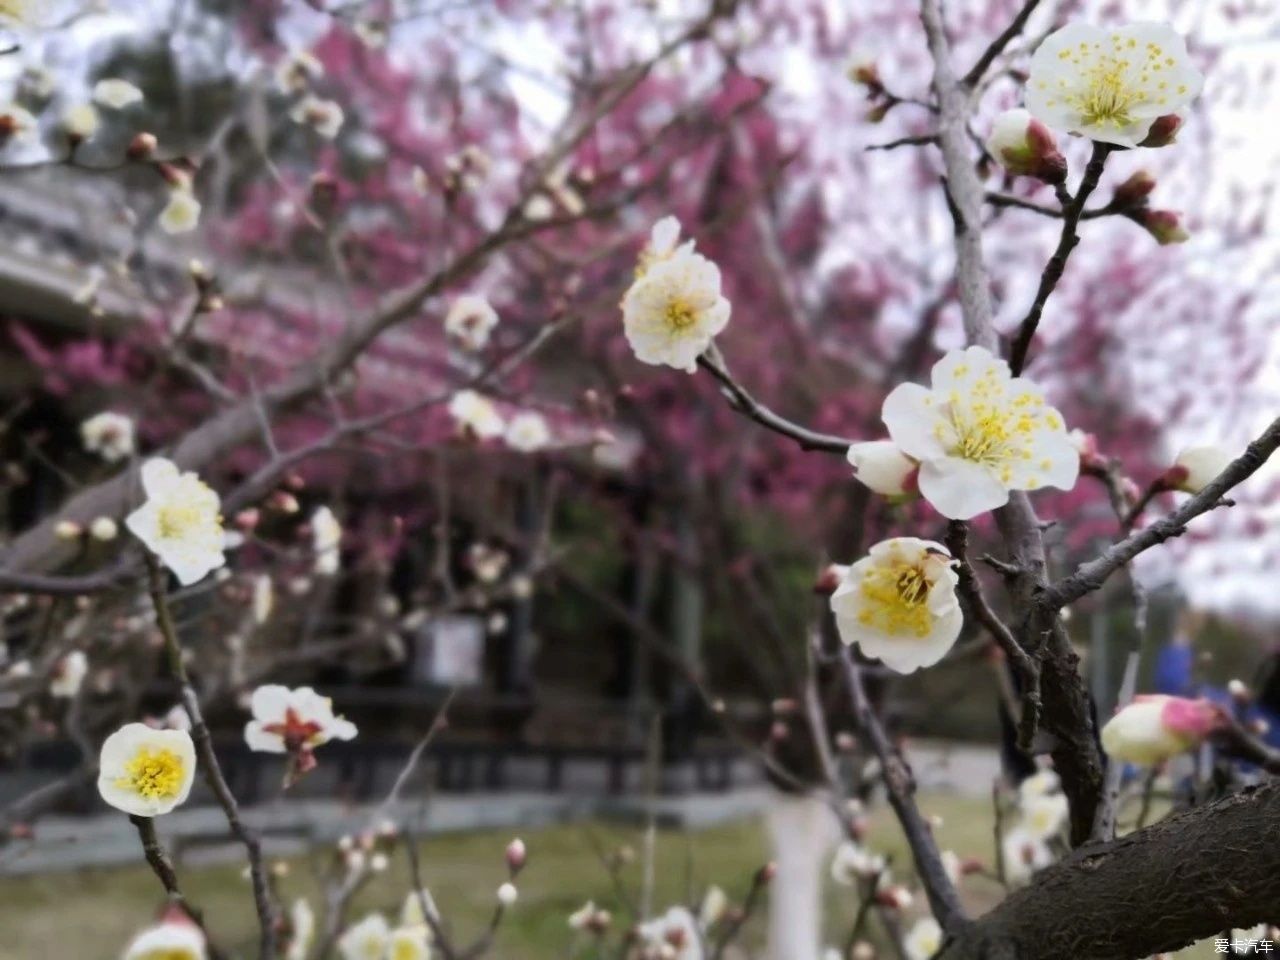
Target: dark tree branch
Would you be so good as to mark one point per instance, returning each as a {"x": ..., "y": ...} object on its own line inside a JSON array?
[
  {"x": 917, "y": 141},
  {"x": 975, "y": 74},
  {"x": 1053, "y": 270},
  {"x": 1092, "y": 575}
]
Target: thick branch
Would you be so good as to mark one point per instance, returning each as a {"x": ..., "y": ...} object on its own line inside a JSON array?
[
  {"x": 1092, "y": 575},
  {"x": 1197, "y": 872}
]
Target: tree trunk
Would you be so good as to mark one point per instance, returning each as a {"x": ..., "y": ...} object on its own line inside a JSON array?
[{"x": 802, "y": 831}]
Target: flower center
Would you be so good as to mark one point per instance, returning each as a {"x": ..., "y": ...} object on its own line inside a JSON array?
[
  {"x": 153, "y": 774},
  {"x": 296, "y": 732},
  {"x": 1107, "y": 98},
  {"x": 896, "y": 598},
  {"x": 168, "y": 953},
  {"x": 178, "y": 520},
  {"x": 680, "y": 314}
]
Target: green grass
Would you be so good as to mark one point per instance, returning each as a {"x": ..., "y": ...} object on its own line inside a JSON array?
[{"x": 90, "y": 914}]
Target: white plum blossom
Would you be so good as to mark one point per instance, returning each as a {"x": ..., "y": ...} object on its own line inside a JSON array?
[
  {"x": 470, "y": 321},
  {"x": 182, "y": 213},
  {"x": 80, "y": 121},
  {"x": 293, "y": 721},
  {"x": 1025, "y": 147},
  {"x": 883, "y": 468},
  {"x": 146, "y": 772},
  {"x": 408, "y": 943},
  {"x": 1023, "y": 854},
  {"x": 1153, "y": 728},
  {"x": 302, "y": 922},
  {"x": 297, "y": 71},
  {"x": 1039, "y": 784},
  {"x": 923, "y": 940},
  {"x": 476, "y": 415},
  {"x": 674, "y": 310},
  {"x": 366, "y": 940},
  {"x": 68, "y": 675},
  {"x": 527, "y": 432},
  {"x": 1111, "y": 85},
  {"x": 326, "y": 541},
  {"x": 586, "y": 917},
  {"x": 978, "y": 434},
  {"x": 108, "y": 434},
  {"x": 715, "y": 905},
  {"x": 1195, "y": 467},
  {"x": 899, "y": 605},
  {"x": 853, "y": 862},
  {"x": 325, "y": 117},
  {"x": 116, "y": 94},
  {"x": 678, "y": 930},
  {"x": 1043, "y": 816},
  {"x": 171, "y": 939},
  {"x": 180, "y": 521}
]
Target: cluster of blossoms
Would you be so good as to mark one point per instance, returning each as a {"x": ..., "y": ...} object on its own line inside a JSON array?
[
  {"x": 477, "y": 418},
  {"x": 1041, "y": 814},
  {"x": 674, "y": 308}
]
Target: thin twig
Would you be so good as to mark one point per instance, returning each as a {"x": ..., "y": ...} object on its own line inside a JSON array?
[{"x": 974, "y": 76}]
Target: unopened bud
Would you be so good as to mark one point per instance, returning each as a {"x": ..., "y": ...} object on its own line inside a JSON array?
[
  {"x": 896, "y": 897},
  {"x": 765, "y": 874},
  {"x": 1134, "y": 191},
  {"x": 829, "y": 579},
  {"x": 846, "y": 742},
  {"x": 862, "y": 951},
  {"x": 1239, "y": 691},
  {"x": 1026, "y": 148},
  {"x": 516, "y": 855},
  {"x": 508, "y": 894},
  {"x": 783, "y": 706},
  {"x": 1164, "y": 225},
  {"x": 1259, "y": 726},
  {"x": 68, "y": 530},
  {"x": 1163, "y": 132},
  {"x": 1195, "y": 467},
  {"x": 878, "y": 113},
  {"x": 103, "y": 529},
  {"x": 867, "y": 74},
  {"x": 141, "y": 147}
]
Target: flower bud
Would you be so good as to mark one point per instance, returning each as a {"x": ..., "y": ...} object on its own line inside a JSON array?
[
  {"x": 1239, "y": 691},
  {"x": 829, "y": 579},
  {"x": 1195, "y": 467},
  {"x": 1163, "y": 132},
  {"x": 68, "y": 530},
  {"x": 1152, "y": 729},
  {"x": 516, "y": 855},
  {"x": 885, "y": 469},
  {"x": 865, "y": 73},
  {"x": 1164, "y": 225},
  {"x": 1025, "y": 147},
  {"x": 765, "y": 874},
  {"x": 895, "y": 897},
  {"x": 508, "y": 894},
  {"x": 1134, "y": 191},
  {"x": 141, "y": 147},
  {"x": 103, "y": 529}
]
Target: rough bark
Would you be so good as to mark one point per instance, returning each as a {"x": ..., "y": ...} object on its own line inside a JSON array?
[{"x": 1184, "y": 879}]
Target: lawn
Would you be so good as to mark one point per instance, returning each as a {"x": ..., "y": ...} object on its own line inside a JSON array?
[{"x": 91, "y": 914}]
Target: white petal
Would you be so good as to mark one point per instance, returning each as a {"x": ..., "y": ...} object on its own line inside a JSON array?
[
  {"x": 269, "y": 702},
  {"x": 158, "y": 475},
  {"x": 961, "y": 489},
  {"x": 259, "y": 739},
  {"x": 912, "y": 416}
]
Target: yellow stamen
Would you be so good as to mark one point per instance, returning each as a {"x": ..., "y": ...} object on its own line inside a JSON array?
[
  {"x": 153, "y": 774},
  {"x": 680, "y": 315},
  {"x": 896, "y": 598}
]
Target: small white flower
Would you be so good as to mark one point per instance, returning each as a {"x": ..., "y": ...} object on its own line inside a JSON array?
[
  {"x": 287, "y": 720},
  {"x": 182, "y": 213},
  {"x": 169, "y": 940},
  {"x": 366, "y": 940},
  {"x": 411, "y": 914},
  {"x": 923, "y": 940},
  {"x": 1151, "y": 729},
  {"x": 80, "y": 121},
  {"x": 715, "y": 904},
  {"x": 104, "y": 529},
  {"x": 582, "y": 918},
  {"x": 508, "y": 894},
  {"x": 470, "y": 321},
  {"x": 674, "y": 310},
  {"x": 303, "y": 921},
  {"x": 264, "y": 598},
  {"x": 852, "y": 862},
  {"x": 16, "y": 124},
  {"x": 979, "y": 433},
  {"x": 179, "y": 522},
  {"x": 476, "y": 415},
  {"x": 146, "y": 772},
  {"x": 326, "y": 541},
  {"x": 1043, "y": 816},
  {"x": 1195, "y": 467},
  {"x": 409, "y": 943},
  {"x": 323, "y": 116},
  {"x": 116, "y": 94},
  {"x": 1023, "y": 854},
  {"x": 109, "y": 435},
  {"x": 527, "y": 432},
  {"x": 677, "y": 930},
  {"x": 297, "y": 71},
  {"x": 1038, "y": 784},
  {"x": 68, "y": 675},
  {"x": 884, "y": 468},
  {"x": 1111, "y": 85},
  {"x": 898, "y": 603}
]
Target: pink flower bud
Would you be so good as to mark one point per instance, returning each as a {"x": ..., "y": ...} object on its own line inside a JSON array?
[
  {"x": 829, "y": 579},
  {"x": 516, "y": 855},
  {"x": 1163, "y": 132},
  {"x": 1164, "y": 225},
  {"x": 1134, "y": 191},
  {"x": 1025, "y": 147},
  {"x": 141, "y": 147}
]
